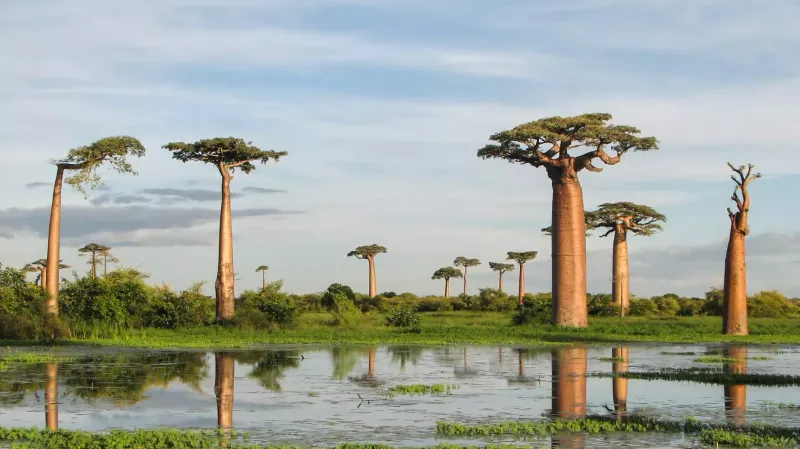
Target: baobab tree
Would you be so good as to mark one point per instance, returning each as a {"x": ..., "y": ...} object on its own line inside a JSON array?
[
  {"x": 84, "y": 162},
  {"x": 93, "y": 250},
  {"x": 369, "y": 252},
  {"x": 462, "y": 261},
  {"x": 734, "y": 299},
  {"x": 501, "y": 268},
  {"x": 521, "y": 258},
  {"x": 227, "y": 154},
  {"x": 40, "y": 266},
  {"x": 547, "y": 143},
  {"x": 263, "y": 269},
  {"x": 619, "y": 219},
  {"x": 446, "y": 273},
  {"x": 107, "y": 257}
]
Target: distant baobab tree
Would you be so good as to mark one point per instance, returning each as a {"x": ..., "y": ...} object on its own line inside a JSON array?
[
  {"x": 462, "y": 261},
  {"x": 521, "y": 258},
  {"x": 227, "y": 154},
  {"x": 547, "y": 143},
  {"x": 94, "y": 251},
  {"x": 84, "y": 161},
  {"x": 107, "y": 257},
  {"x": 446, "y": 273},
  {"x": 734, "y": 300},
  {"x": 263, "y": 269},
  {"x": 501, "y": 268},
  {"x": 40, "y": 266},
  {"x": 368, "y": 253}
]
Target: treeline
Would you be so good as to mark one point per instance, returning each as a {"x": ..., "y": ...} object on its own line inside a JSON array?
[{"x": 105, "y": 306}]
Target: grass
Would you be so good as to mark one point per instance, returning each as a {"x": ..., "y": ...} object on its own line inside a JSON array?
[
  {"x": 420, "y": 389},
  {"x": 28, "y": 357},
  {"x": 780, "y": 405},
  {"x": 717, "y": 359},
  {"x": 458, "y": 327},
  {"x": 612, "y": 359},
  {"x": 709, "y": 376}
]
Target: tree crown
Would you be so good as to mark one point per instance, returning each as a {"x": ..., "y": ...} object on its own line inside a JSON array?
[
  {"x": 40, "y": 265},
  {"x": 227, "y": 153},
  {"x": 94, "y": 248},
  {"x": 524, "y": 143},
  {"x": 501, "y": 267},
  {"x": 522, "y": 257},
  {"x": 262, "y": 268},
  {"x": 447, "y": 273},
  {"x": 640, "y": 219},
  {"x": 462, "y": 261},
  {"x": 86, "y": 159},
  {"x": 367, "y": 251}
]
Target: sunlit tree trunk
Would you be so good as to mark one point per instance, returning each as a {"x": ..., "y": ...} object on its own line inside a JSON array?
[
  {"x": 621, "y": 357},
  {"x": 500, "y": 287},
  {"x": 521, "y": 283},
  {"x": 224, "y": 284},
  {"x": 51, "y": 397},
  {"x": 447, "y": 287},
  {"x": 54, "y": 245},
  {"x": 465, "y": 279},
  {"x": 43, "y": 279},
  {"x": 736, "y": 395},
  {"x": 372, "y": 281},
  {"x": 569, "y": 391},
  {"x": 263, "y": 280},
  {"x": 223, "y": 389},
  {"x": 620, "y": 278},
  {"x": 569, "y": 254},
  {"x": 734, "y": 309}
]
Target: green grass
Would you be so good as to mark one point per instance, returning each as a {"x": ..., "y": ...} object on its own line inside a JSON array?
[
  {"x": 780, "y": 405},
  {"x": 459, "y": 327},
  {"x": 28, "y": 357},
  {"x": 717, "y": 359},
  {"x": 708, "y": 376},
  {"x": 612, "y": 359},
  {"x": 420, "y": 389}
]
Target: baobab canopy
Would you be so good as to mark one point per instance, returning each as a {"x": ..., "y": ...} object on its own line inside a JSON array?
[
  {"x": 637, "y": 218},
  {"x": 227, "y": 152},
  {"x": 86, "y": 159},
  {"x": 367, "y": 251}
]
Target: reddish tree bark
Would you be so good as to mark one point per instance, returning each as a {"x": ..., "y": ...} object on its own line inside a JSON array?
[
  {"x": 223, "y": 390},
  {"x": 521, "y": 283},
  {"x": 735, "y": 395},
  {"x": 373, "y": 289},
  {"x": 51, "y": 397},
  {"x": 621, "y": 358},
  {"x": 51, "y": 276},
  {"x": 224, "y": 285},
  {"x": 568, "y": 252},
  {"x": 569, "y": 391}
]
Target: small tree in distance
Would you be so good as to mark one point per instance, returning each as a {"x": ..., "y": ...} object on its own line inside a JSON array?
[
  {"x": 462, "y": 261},
  {"x": 94, "y": 251},
  {"x": 368, "y": 252},
  {"x": 263, "y": 269},
  {"x": 107, "y": 257},
  {"x": 40, "y": 266},
  {"x": 521, "y": 258},
  {"x": 734, "y": 300},
  {"x": 227, "y": 154},
  {"x": 84, "y": 162},
  {"x": 501, "y": 268},
  {"x": 446, "y": 273}
]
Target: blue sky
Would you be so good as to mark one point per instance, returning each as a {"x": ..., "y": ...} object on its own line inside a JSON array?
[{"x": 382, "y": 105}]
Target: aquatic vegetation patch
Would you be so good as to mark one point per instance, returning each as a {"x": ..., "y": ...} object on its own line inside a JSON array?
[
  {"x": 677, "y": 353},
  {"x": 10, "y": 358},
  {"x": 717, "y": 359},
  {"x": 705, "y": 375},
  {"x": 420, "y": 389},
  {"x": 779, "y": 405},
  {"x": 612, "y": 359},
  {"x": 760, "y": 357},
  {"x": 716, "y": 437}
]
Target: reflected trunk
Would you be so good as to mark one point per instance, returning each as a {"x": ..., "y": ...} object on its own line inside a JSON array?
[
  {"x": 51, "y": 397},
  {"x": 569, "y": 392},
  {"x": 621, "y": 356},
  {"x": 736, "y": 395},
  {"x": 371, "y": 372},
  {"x": 521, "y": 373},
  {"x": 223, "y": 389}
]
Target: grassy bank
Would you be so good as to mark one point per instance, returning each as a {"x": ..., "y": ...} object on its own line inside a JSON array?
[{"x": 458, "y": 327}]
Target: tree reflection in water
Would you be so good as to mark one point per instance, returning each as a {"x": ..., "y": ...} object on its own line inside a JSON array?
[
  {"x": 224, "y": 376},
  {"x": 51, "y": 397},
  {"x": 735, "y": 395},
  {"x": 621, "y": 359},
  {"x": 569, "y": 392},
  {"x": 269, "y": 366}
]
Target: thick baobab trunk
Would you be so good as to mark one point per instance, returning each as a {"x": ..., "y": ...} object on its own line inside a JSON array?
[
  {"x": 734, "y": 303},
  {"x": 447, "y": 287},
  {"x": 521, "y": 283},
  {"x": 224, "y": 284},
  {"x": 621, "y": 357},
  {"x": 620, "y": 279},
  {"x": 500, "y": 287},
  {"x": 51, "y": 397},
  {"x": 569, "y": 392},
  {"x": 371, "y": 372},
  {"x": 223, "y": 389},
  {"x": 569, "y": 255},
  {"x": 372, "y": 287},
  {"x": 736, "y": 395},
  {"x": 54, "y": 245}
]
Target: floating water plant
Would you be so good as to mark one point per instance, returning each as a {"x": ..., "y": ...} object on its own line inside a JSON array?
[
  {"x": 717, "y": 359},
  {"x": 677, "y": 353},
  {"x": 420, "y": 389},
  {"x": 11, "y": 358},
  {"x": 612, "y": 359},
  {"x": 708, "y": 376},
  {"x": 780, "y": 405}
]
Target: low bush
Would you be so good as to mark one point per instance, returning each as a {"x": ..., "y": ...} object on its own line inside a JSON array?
[
  {"x": 403, "y": 315},
  {"x": 434, "y": 305},
  {"x": 345, "y": 312}
]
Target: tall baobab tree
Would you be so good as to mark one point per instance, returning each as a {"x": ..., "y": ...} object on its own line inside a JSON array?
[
  {"x": 107, "y": 257},
  {"x": 547, "y": 143},
  {"x": 263, "y": 269},
  {"x": 40, "y": 266},
  {"x": 521, "y": 258},
  {"x": 84, "y": 162},
  {"x": 227, "y": 154},
  {"x": 368, "y": 252},
  {"x": 734, "y": 300},
  {"x": 446, "y": 273},
  {"x": 462, "y": 261},
  {"x": 619, "y": 219},
  {"x": 501, "y": 268},
  {"x": 93, "y": 250}
]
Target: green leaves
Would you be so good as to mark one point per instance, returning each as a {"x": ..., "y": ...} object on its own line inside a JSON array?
[
  {"x": 462, "y": 261},
  {"x": 262, "y": 268},
  {"x": 640, "y": 219},
  {"x": 501, "y": 267},
  {"x": 447, "y": 273},
  {"x": 227, "y": 153},
  {"x": 86, "y": 159},
  {"x": 522, "y": 257},
  {"x": 367, "y": 251}
]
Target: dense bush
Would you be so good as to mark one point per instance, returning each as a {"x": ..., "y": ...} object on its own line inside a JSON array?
[
  {"x": 434, "y": 305},
  {"x": 770, "y": 304},
  {"x": 328, "y": 298},
  {"x": 404, "y": 315},
  {"x": 266, "y": 307},
  {"x": 345, "y": 312},
  {"x": 601, "y": 305},
  {"x": 187, "y": 309}
]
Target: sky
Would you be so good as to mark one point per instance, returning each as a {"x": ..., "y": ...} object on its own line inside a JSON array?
[{"x": 382, "y": 106}]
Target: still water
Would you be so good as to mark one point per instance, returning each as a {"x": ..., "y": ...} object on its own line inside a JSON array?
[{"x": 323, "y": 395}]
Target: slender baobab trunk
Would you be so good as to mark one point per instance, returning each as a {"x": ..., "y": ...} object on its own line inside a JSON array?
[
  {"x": 372, "y": 287},
  {"x": 521, "y": 283},
  {"x": 569, "y": 392},
  {"x": 43, "y": 277},
  {"x": 224, "y": 285},
  {"x": 223, "y": 389},
  {"x": 51, "y": 397},
  {"x": 54, "y": 245},
  {"x": 500, "y": 287},
  {"x": 371, "y": 372},
  {"x": 620, "y": 279},
  {"x": 105, "y": 266},
  {"x": 94, "y": 265},
  {"x": 569, "y": 254},
  {"x": 447, "y": 287},
  {"x": 263, "y": 280},
  {"x": 465, "y": 280},
  {"x": 736, "y": 395},
  {"x": 621, "y": 357},
  {"x": 734, "y": 308}
]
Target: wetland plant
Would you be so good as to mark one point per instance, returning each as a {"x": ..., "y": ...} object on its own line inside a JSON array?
[
  {"x": 421, "y": 389},
  {"x": 708, "y": 376}
]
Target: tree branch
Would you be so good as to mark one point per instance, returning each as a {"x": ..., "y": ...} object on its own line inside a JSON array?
[
  {"x": 585, "y": 160},
  {"x": 609, "y": 232}
]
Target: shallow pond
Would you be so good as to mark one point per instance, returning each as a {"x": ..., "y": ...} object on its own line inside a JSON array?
[{"x": 322, "y": 395}]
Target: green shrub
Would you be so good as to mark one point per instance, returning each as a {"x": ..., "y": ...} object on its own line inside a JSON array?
[
  {"x": 434, "y": 305},
  {"x": 345, "y": 312},
  {"x": 275, "y": 306},
  {"x": 493, "y": 300},
  {"x": 666, "y": 305},
  {"x": 770, "y": 304},
  {"x": 713, "y": 303},
  {"x": 642, "y": 307},
  {"x": 458, "y": 305},
  {"x": 90, "y": 306},
  {"x": 601, "y": 305},
  {"x": 690, "y": 307},
  {"x": 403, "y": 315},
  {"x": 328, "y": 298},
  {"x": 529, "y": 315}
]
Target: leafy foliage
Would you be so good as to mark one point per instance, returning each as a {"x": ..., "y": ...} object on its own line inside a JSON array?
[
  {"x": 86, "y": 160},
  {"x": 367, "y": 251},
  {"x": 226, "y": 153},
  {"x": 522, "y": 257},
  {"x": 275, "y": 306},
  {"x": 644, "y": 220},
  {"x": 462, "y": 261},
  {"x": 501, "y": 267},
  {"x": 345, "y": 312},
  {"x": 403, "y": 315},
  {"x": 262, "y": 268},
  {"x": 328, "y": 297},
  {"x": 447, "y": 273}
]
